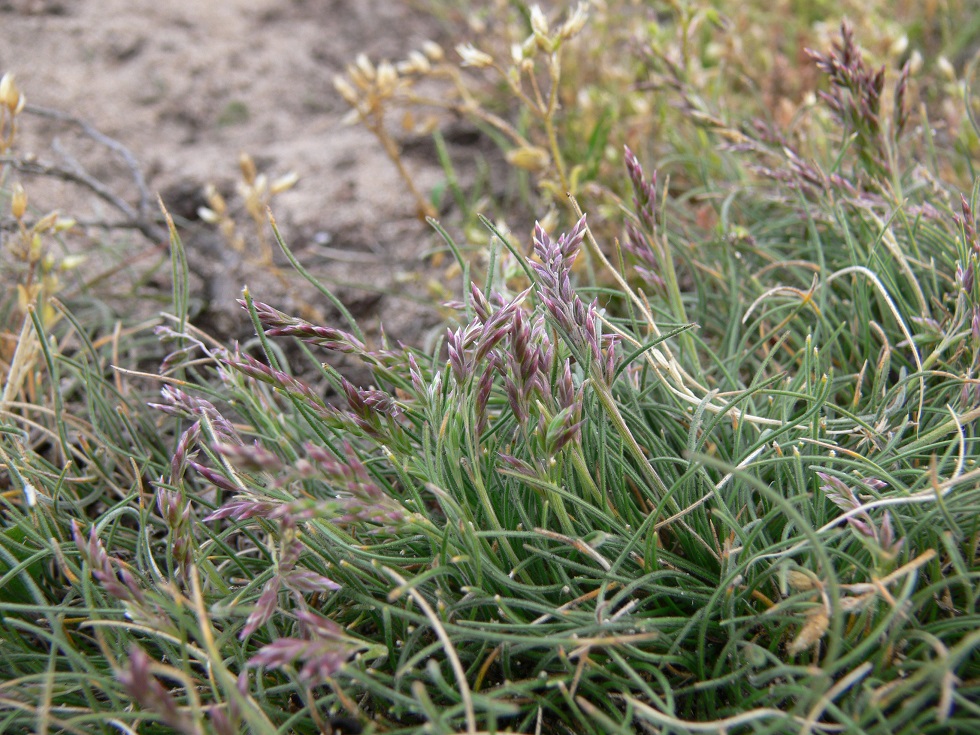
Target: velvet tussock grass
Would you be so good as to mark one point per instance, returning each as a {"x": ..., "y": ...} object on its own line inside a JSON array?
[{"x": 657, "y": 475}]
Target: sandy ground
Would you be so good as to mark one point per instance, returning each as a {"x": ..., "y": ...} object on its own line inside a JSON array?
[{"x": 186, "y": 86}]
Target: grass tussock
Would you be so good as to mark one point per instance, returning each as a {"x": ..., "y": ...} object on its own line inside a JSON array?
[{"x": 703, "y": 459}]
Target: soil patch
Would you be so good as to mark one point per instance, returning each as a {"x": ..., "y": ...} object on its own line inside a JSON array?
[{"x": 186, "y": 86}]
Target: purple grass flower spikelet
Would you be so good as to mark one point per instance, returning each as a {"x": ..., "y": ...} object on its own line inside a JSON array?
[
  {"x": 321, "y": 659},
  {"x": 176, "y": 511},
  {"x": 242, "y": 509},
  {"x": 561, "y": 429},
  {"x": 969, "y": 226},
  {"x": 278, "y": 324},
  {"x": 264, "y": 608},
  {"x": 479, "y": 303},
  {"x": 970, "y": 393},
  {"x": 178, "y": 403},
  {"x": 312, "y": 623},
  {"x": 220, "y": 721},
  {"x": 638, "y": 245},
  {"x": 214, "y": 477},
  {"x": 249, "y": 456},
  {"x": 457, "y": 354},
  {"x": 298, "y": 580},
  {"x": 354, "y": 399},
  {"x": 122, "y": 585},
  {"x": 516, "y": 465},
  {"x": 380, "y": 402},
  {"x": 418, "y": 381},
  {"x": 248, "y": 365},
  {"x": 139, "y": 682},
  {"x": 483, "y": 390},
  {"x": 580, "y": 324},
  {"x": 169, "y": 504},
  {"x": 611, "y": 341},
  {"x": 644, "y": 192},
  {"x": 881, "y": 534},
  {"x": 520, "y": 348},
  {"x": 855, "y": 97},
  {"x": 371, "y": 410},
  {"x": 186, "y": 449},
  {"x": 497, "y": 327},
  {"x": 321, "y": 646},
  {"x": 901, "y": 108},
  {"x": 965, "y": 276},
  {"x": 565, "y": 392},
  {"x": 516, "y": 399}
]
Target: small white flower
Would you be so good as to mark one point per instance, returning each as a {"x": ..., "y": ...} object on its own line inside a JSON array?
[
  {"x": 472, "y": 56},
  {"x": 946, "y": 68},
  {"x": 433, "y": 50},
  {"x": 539, "y": 23},
  {"x": 576, "y": 21}
]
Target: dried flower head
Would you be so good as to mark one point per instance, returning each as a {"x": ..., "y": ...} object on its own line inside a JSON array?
[{"x": 472, "y": 56}]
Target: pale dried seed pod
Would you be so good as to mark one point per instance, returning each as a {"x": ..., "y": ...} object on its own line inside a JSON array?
[
  {"x": 346, "y": 90},
  {"x": 539, "y": 23},
  {"x": 359, "y": 78},
  {"x": 899, "y": 45},
  {"x": 71, "y": 262},
  {"x": 247, "y": 166},
  {"x": 10, "y": 96},
  {"x": 946, "y": 68},
  {"x": 214, "y": 199},
  {"x": 386, "y": 78},
  {"x": 47, "y": 222},
  {"x": 364, "y": 64},
  {"x": 18, "y": 201},
  {"x": 420, "y": 62},
  {"x": 529, "y": 48},
  {"x": 208, "y": 215},
  {"x": 799, "y": 580},
  {"x": 284, "y": 183},
  {"x": 433, "y": 50},
  {"x": 6, "y": 86},
  {"x": 260, "y": 185},
  {"x": 915, "y": 62},
  {"x": 472, "y": 56},
  {"x": 529, "y": 158},
  {"x": 576, "y": 21},
  {"x": 817, "y": 622}
]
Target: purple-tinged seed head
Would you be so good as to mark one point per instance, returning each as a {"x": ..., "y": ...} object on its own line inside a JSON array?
[
  {"x": 214, "y": 477},
  {"x": 264, "y": 608},
  {"x": 484, "y": 387},
  {"x": 457, "y": 354},
  {"x": 418, "y": 383},
  {"x": 169, "y": 504},
  {"x": 139, "y": 682},
  {"x": 242, "y": 509},
  {"x": 479, "y": 302},
  {"x": 644, "y": 192}
]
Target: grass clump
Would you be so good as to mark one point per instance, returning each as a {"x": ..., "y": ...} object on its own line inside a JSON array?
[{"x": 722, "y": 478}]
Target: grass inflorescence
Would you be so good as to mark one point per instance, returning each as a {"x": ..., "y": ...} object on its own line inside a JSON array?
[{"x": 702, "y": 461}]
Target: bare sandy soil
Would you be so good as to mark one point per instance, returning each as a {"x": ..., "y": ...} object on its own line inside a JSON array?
[{"x": 186, "y": 85}]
